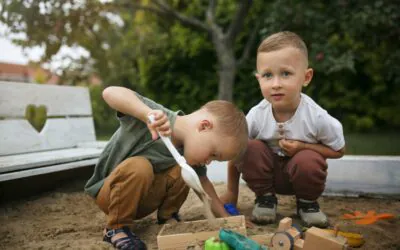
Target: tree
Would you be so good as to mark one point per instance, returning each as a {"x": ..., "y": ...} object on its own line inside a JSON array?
[
  {"x": 55, "y": 22},
  {"x": 170, "y": 52}
]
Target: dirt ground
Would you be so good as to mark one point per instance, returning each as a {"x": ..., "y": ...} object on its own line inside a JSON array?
[{"x": 66, "y": 218}]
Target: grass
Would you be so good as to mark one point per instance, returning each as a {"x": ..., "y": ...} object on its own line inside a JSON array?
[
  {"x": 357, "y": 144},
  {"x": 373, "y": 144},
  {"x": 103, "y": 137}
]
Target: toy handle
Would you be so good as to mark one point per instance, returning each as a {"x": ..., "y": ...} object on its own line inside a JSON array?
[
  {"x": 231, "y": 209},
  {"x": 167, "y": 141}
]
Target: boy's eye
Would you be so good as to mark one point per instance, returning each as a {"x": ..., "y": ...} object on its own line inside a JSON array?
[
  {"x": 267, "y": 75},
  {"x": 285, "y": 73}
]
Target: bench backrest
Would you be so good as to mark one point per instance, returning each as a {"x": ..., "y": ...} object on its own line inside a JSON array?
[{"x": 69, "y": 117}]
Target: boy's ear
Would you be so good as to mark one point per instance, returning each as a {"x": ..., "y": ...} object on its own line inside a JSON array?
[
  {"x": 204, "y": 125},
  {"x": 308, "y": 77},
  {"x": 258, "y": 76}
]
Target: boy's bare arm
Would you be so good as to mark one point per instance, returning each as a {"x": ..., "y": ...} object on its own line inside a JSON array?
[
  {"x": 216, "y": 205},
  {"x": 291, "y": 147},
  {"x": 125, "y": 101},
  {"x": 325, "y": 151},
  {"x": 231, "y": 195}
]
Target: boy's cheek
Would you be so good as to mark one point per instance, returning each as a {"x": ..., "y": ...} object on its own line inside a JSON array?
[{"x": 189, "y": 160}]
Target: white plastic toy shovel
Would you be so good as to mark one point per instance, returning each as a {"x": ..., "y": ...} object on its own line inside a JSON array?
[{"x": 188, "y": 173}]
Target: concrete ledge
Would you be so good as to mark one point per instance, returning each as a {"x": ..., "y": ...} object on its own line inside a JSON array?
[
  {"x": 364, "y": 175},
  {"x": 372, "y": 176}
]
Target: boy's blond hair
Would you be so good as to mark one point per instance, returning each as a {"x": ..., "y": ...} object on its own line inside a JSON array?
[
  {"x": 231, "y": 120},
  {"x": 282, "y": 40}
]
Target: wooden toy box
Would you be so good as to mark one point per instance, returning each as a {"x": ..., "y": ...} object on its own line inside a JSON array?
[{"x": 193, "y": 234}]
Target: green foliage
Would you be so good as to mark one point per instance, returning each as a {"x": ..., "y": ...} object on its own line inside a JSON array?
[
  {"x": 353, "y": 49},
  {"x": 382, "y": 143},
  {"x": 105, "y": 119},
  {"x": 180, "y": 75}
]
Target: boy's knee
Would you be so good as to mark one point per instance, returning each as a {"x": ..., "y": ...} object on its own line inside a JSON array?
[
  {"x": 308, "y": 174},
  {"x": 256, "y": 145},
  {"x": 255, "y": 150},
  {"x": 136, "y": 166},
  {"x": 176, "y": 181},
  {"x": 308, "y": 163},
  {"x": 175, "y": 173},
  {"x": 310, "y": 159}
]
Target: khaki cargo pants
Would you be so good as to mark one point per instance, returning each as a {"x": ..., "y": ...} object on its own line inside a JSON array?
[{"x": 133, "y": 191}]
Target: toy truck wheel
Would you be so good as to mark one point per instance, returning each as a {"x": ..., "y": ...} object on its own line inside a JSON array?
[{"x": 282, "y": 241}]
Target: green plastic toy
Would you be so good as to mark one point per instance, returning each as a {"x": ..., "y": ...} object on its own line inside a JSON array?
[
  {"x": 215, "y": 244},
  {"x": 238, "y": 241}
]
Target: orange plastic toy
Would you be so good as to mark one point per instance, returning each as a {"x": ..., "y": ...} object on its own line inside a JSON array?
[{"x": 369, "y": 218}]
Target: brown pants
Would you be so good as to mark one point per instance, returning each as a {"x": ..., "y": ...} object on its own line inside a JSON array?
[
  {"x": 132, "y": 191},
  {"x": 303, "y": 175}
]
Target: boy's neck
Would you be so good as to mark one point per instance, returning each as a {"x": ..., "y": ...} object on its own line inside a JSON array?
[
  {"x": 285, "y": 113},
  {"x": 182, "y": 126},
  {"x": 283, "y": 116}
]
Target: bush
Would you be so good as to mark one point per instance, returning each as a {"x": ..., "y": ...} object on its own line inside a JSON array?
[{"x": 104, "y": 117}]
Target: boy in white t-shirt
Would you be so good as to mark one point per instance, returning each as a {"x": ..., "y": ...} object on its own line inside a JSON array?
[{"x": 290, "y": 136}]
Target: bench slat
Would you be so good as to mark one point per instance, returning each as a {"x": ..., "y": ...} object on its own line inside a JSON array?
[
  {"x": 46, "y": 170},
  {"x": 66, "y": 141},
  {"x": 40, "y": 159},
  {"x": 59, "y": 100},
  {"x": 18, "y": 136}
]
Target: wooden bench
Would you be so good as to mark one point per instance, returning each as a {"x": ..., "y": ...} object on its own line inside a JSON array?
[{"x": 66, "y": 141}]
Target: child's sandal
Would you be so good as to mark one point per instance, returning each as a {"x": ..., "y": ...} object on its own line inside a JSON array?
[{"x": 130, "y": 242}]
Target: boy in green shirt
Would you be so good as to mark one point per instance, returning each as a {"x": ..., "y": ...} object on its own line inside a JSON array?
[{"x": 136, "y": 175}]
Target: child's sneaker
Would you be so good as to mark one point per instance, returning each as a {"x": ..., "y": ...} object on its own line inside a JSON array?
[
  {"x": 311, "y": 214},
  {"x": 264, "y": 211},
  {"x": 129, "y": 242},
  {"x": 174, "y": 216}
]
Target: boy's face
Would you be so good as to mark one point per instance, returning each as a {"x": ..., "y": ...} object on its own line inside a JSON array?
[
  {"x": 281, "y": 75},
  {"x": 206, "y": 145}
]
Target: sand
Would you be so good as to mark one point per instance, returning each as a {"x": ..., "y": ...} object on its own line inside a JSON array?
[{"x": 66, "y": 218}]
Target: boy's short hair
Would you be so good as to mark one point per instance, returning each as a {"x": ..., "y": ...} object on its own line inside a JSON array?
[
  {"x": 231, "y": 120},
  {"x": 282, "y": 40}
]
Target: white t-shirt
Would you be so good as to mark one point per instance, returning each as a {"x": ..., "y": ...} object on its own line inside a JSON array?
[{"x": 310, "y": 123}]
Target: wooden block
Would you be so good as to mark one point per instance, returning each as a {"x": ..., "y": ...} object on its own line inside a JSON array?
[
  {"x": 294, "y": 233},
  {"x": 285, "y": 224},
  {"x": 298, "y": 244},
  {"x": 316, "y": 237},
  {"x": 195, "y": 233},
  {"x": 262, "y": 239}
]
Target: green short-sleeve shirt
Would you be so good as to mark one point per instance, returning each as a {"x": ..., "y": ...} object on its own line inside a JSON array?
[{"x": 133, "y": 138}]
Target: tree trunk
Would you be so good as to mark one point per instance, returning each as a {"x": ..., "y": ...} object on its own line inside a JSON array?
[
  {"x": 226, "y": 67},
  {"x": 226, "y": 73}
]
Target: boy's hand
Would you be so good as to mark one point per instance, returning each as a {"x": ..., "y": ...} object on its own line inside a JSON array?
[
  {"x": 249, "y": 224},
  {"x": 291, "y": 147},
  {"x": 160, "y": 124},
  {"x": 228, "y": 197}
]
